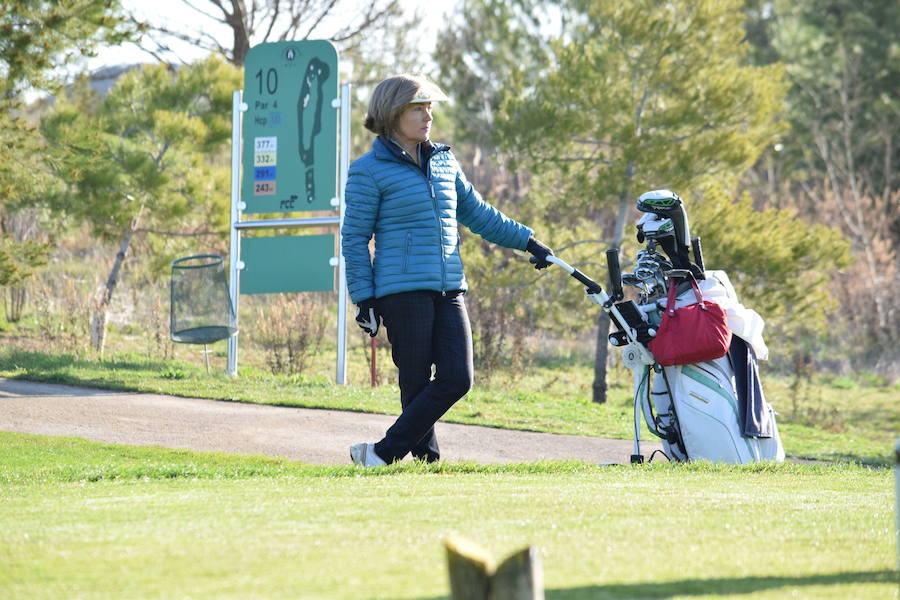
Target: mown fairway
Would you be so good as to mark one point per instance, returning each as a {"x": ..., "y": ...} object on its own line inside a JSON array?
[{"x": 87, "y": 520}]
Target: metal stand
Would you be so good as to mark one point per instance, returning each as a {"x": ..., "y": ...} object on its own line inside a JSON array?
[{"x": 235, "y": 263}]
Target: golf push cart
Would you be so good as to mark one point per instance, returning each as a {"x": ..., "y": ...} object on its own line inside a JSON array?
[{"x": 712, "y": 410}]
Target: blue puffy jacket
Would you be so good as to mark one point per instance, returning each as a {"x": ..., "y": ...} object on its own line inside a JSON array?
[{"x": 414, "y": 215}]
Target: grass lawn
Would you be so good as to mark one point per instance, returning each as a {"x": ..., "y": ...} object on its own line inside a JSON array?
[{"x": 87, "y": 520}]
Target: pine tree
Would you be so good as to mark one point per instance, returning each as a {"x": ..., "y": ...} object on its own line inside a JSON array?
[
  {"x": 641, "y": 95},
  {"x": 140, "y": 158}
]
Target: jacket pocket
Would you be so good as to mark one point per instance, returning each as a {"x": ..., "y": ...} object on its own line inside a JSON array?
[{"x": 406, "y": 251}]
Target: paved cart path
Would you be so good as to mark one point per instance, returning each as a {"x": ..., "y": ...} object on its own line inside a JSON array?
[{"x": 309, "y": 435}]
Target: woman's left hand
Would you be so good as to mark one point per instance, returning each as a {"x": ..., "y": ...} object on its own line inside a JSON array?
[{"x": 540, "y": 253}]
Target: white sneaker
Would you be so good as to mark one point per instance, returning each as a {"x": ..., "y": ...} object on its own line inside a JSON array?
[{"x": 363, "y": 455}]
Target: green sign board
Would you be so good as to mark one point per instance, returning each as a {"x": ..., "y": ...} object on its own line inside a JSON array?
[
  {"x": 290, "y": 128},
  {"x": 288, "y": 263}
]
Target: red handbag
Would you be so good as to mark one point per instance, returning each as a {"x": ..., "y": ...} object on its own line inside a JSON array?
[{"x": 692, "y": 334}]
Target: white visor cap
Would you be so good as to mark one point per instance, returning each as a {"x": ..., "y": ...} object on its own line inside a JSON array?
[{"x": 429, "y": 94}]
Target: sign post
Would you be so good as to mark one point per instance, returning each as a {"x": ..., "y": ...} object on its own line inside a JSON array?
[
  {"x": 289, "y": 163},
  {"x": 234, "y": 253}
]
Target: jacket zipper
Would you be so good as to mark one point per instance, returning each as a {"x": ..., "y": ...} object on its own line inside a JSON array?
[
  {"x": 407, "y": 251},
  {"x": 437, "y": 215}
]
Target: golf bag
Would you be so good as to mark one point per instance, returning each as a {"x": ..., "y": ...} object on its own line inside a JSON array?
[
  {"x": 712, "y": 410},
  {"x": 704, "y": 421}
]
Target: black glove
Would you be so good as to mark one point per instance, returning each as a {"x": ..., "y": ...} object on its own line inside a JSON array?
[
  {"x": 368, "y": 317},
  {"x": 540, "y": 252}
]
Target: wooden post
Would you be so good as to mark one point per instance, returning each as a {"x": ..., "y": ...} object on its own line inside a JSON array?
[
  {"x": 470, "y": 569},
  {"x": 473, "y": 575},
  {"x": 519, "y": 577}
]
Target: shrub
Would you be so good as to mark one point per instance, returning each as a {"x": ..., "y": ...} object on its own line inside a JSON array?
[{"x": 289, "y": 330}]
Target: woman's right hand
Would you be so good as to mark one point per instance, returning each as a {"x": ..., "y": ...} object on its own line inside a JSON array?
[{"x": 368, "y": 317}]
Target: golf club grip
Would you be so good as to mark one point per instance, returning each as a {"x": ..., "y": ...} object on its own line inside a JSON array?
[
  {"x": 698, "y": 253},
  {"x": 592, "y": 286},
  {"x": 615, "y": 273}
]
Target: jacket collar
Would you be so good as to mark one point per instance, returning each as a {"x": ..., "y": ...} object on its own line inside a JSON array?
[{"x": 387, "y": 149}]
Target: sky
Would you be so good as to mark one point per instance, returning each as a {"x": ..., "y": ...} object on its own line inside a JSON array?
[{"x": 174, "y": 12}]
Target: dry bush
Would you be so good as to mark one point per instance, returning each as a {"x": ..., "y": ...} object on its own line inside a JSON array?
[
  {"x": 152, "y": 306},
  {"x": 499, "y": 335},
  {"x": 867, "y": 291},
  {"x": 62, "y": 312},
  {"x": 22, "y": 225},
  {"x": 290, "y": 330},
  {"x": 807, "y": 405},
  {"x": 14, "y": 302}
]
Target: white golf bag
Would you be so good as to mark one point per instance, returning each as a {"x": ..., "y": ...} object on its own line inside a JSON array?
[
  {"x": 704, "y": 411},
  {"x": 704, "y": 420},
  {"x": 697, "y": 409}
]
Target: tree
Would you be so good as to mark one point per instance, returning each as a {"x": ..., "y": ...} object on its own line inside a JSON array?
[
  {"x": 270, "y": 22},
  {"x": 37, "y": 39},
  {"x": 476, "y": 55},
  {"x": 19, "y": 259},
  {"x": 841, "y": 60},
  {"x": 477, "y": 52},
  {"x": 142, "y": 156},
  {"x": 641, "y": 95},
  {"x": 773, "y": 245}
]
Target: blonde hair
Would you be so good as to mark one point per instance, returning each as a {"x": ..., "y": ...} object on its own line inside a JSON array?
[{"x": 391, "y": 96}]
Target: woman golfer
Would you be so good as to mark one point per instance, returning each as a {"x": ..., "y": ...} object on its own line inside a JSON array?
[{"x": 411, "y": 195}]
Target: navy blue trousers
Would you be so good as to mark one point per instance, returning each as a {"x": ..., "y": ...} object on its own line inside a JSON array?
[{"x": 425, "y": 329}]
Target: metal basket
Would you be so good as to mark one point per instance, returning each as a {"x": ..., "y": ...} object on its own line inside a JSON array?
[{"x": 201, "y": 310}]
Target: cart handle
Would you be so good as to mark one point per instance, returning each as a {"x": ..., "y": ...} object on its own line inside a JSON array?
[
  {"x": 594, "y": 289},
  {"x": 592, "y": 286}
]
